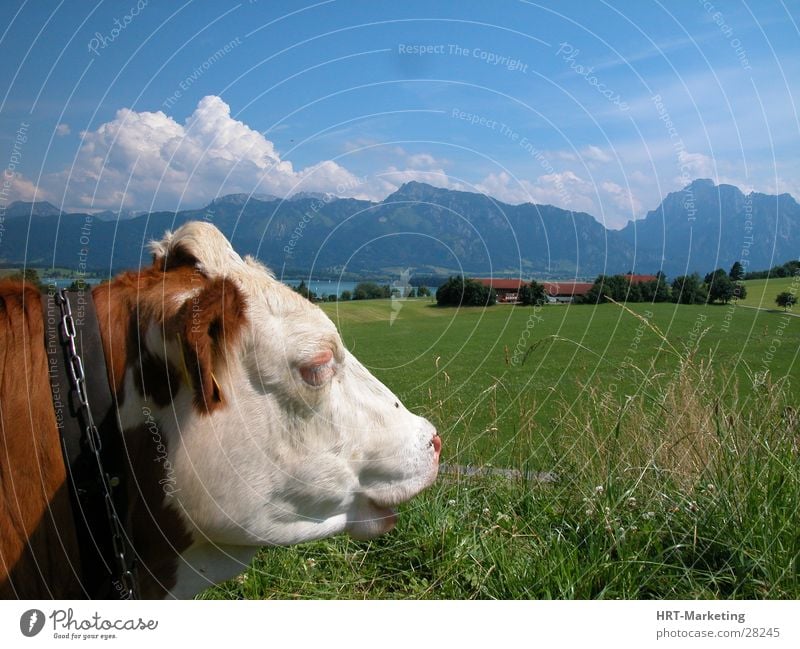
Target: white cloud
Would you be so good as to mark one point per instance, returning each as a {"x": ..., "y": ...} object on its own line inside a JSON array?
[
  {"x": 595, "y": 154},
  {"x": 391, "y": 178},
  {"x": 420, "y": 160},
  {"x": 622, "y": 198},
  {"x": 698, "y": 165},
  {"x": 62, "y": 130},
  {"x": 562, "y": 189},
  {"x": 144, "y": 158},
  {"x": 22, "y": 189}
]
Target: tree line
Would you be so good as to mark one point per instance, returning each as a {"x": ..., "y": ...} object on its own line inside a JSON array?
[
  {"x": 362, "y": 291},
  {"x": 717, "y": 286}
]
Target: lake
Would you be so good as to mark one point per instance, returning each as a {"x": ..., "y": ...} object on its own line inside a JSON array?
[{"x": 321, "y": 287}]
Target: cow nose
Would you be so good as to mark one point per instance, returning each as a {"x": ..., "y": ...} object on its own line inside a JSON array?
[{"x": 437, "y": 446}]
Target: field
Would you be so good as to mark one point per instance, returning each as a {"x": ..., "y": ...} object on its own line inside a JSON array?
[
  {"x": 762, "y": 292},
  {"x": 670, "y": 435}
]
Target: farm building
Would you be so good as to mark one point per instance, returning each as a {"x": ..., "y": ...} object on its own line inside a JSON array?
[
  {"x": 565, "y": 291},
  {"x": 557, "y": 291},
  {"x": 507, "y": 289}
]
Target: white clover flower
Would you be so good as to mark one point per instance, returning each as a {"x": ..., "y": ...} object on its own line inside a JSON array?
[{"x": 599, "y": 489}]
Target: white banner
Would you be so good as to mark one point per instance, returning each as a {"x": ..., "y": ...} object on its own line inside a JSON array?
[{"x": 400, "y": 624}]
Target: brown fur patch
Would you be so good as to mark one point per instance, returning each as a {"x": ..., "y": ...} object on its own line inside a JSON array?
[
  {"x": 38, "y": 549},
  {"x": 208, "y": 324}
]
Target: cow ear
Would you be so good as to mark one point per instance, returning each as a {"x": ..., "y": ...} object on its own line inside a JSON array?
[
  {"x": 196, "y": 244},
  {"x": 209, "y": 326},
  {"x": 175, "y": 257}
]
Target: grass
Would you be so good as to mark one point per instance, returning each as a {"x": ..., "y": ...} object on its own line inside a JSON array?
[
  {"x": 672, "y": 430},
  {"x": 762, "y": 292}
]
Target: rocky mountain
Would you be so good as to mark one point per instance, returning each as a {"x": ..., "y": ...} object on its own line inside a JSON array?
[
  {"x": 435, "y": 231},
  {"x": 26, "y": 208},
  {"x": 706, "y": 226}
]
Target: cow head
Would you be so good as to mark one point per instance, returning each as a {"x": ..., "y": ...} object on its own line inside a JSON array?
[{"x": 275, "y": 433}]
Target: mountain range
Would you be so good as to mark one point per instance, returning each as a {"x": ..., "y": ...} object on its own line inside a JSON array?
[{"x": 433, "y": 231}]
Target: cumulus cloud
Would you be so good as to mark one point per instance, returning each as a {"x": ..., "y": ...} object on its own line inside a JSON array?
[
  {"x": 608, "y": 201},
  {"x": 62, "y": 130},
  {"x": 144, "y": 158},
  {"x": 696, "y": 165},
  {"x": 622, "y": 198},
  {"x": 595, "y": 154},
  {"x": 22, "y": 189},
  {"x": 562, "y": 189}
]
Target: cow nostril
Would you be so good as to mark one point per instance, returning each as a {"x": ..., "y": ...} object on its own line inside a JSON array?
[{"x": 396, "y": 404}]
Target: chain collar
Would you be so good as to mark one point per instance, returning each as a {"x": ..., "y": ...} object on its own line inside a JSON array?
[{"x": 123, "y": 568}]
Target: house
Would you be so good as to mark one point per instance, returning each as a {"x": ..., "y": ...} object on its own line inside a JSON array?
[
  {"x": 640, "y": 279},
  {"x": 557, "y": 291},
  {"x": 507, "y": 290},
  {"x": 565, "y": 291}
]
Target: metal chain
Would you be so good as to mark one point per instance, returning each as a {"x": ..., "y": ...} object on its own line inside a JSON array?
[{"x": 127, "y": 583}]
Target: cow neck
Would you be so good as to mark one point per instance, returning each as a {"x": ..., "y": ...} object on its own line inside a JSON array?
[{"x": 158, "y": 533}]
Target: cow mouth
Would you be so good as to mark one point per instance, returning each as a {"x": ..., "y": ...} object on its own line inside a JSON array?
[{"x": 371, "y": 519}]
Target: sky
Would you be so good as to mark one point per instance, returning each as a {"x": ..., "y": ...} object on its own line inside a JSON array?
[{"x": 601, "y": 107}]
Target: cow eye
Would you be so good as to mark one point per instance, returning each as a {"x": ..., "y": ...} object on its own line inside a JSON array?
[{"x": 319, "y": 370}]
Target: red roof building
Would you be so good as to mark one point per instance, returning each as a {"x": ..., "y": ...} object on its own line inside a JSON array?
[
  {"x": 507, "y": 289},
  {"x": 639, "y": 279},
  {"x": 561, "y": 291},
  {"x": 566, "y": 289}
]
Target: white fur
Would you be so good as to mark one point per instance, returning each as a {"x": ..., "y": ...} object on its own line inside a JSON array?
[{"x": 284, "y": 462}]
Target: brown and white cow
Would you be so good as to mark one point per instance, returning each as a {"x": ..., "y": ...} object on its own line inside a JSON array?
[{"x": 246, "y": 421}]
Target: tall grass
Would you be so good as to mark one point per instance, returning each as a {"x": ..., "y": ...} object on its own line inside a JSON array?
[{"x": 687, "y": 488}]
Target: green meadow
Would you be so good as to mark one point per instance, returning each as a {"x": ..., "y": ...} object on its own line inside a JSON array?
[
  {"x": 670, "y": 434},
  {"x": 471, "y": 370},
  {"x": 762, "y": 292}
]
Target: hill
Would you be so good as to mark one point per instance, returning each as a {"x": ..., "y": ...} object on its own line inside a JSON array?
[{"x": 434, "y": 231}]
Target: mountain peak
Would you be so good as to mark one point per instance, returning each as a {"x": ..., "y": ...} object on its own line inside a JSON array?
[
  {"x": 414, "y": 190},
  {"x": 27, "y": 208},
  {"x": 242, "y": 199}
]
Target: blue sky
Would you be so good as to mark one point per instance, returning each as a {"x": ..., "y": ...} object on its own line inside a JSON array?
[{"x": 601, "y": 107}]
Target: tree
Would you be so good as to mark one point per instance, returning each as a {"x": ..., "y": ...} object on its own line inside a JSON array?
[
  {"x": 739, "y": 291},
  {"x": 303, "y": 290},
  {"x": 710, "y": 278},
  {"x": 736, "y": 272},
  {"x": 458, "y": 291},
  {"x": 655, "y": 290},
  {"x": 423, "y": 291},
  {"x": 371, "y": 291},
  {"x": 332, "y": 298},
  {"x": 786, "y": 299},
  {"x": 412, "y": 292},
  {"x": 31, "y": 276},
  {"x": 346, "y": 295},
  {"x": 687, "y": 289},
  {"x": 617, "y": 287},
  {"x": 721, "y": 289},
  {"x": 533, "y": 294}
]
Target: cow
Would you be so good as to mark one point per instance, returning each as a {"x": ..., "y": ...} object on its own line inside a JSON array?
[{"x": 245, "y": 420}]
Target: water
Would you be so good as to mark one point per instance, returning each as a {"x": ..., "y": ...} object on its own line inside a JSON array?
[
  {"x": 323, "y": 287},
  {"x": 64, "y": 282}
]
